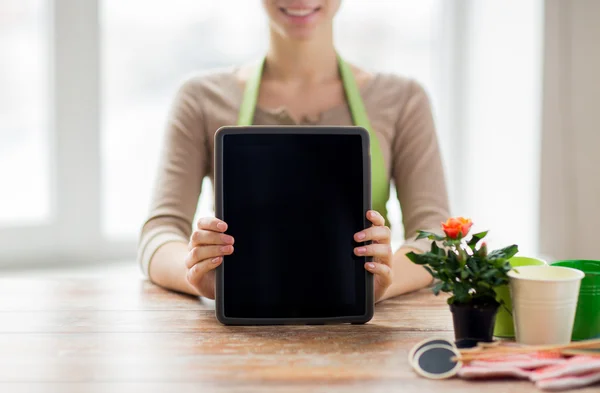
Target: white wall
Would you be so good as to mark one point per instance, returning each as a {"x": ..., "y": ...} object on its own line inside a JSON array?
[{"x": 570, "y": 192}]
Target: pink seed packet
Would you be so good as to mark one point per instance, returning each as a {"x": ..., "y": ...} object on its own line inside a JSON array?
[
  {"x": 569, "y": 382},
  {"x": 529, "y": 361},
  {"x": 575, "y": 366},
  {"x": 475, "y": 372}
]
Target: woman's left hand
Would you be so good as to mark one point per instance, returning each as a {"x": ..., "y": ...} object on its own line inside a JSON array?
[{"x": 381, "y": 251}]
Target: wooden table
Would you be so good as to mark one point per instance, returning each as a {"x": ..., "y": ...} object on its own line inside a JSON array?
[{"x": 124, "y": 335}]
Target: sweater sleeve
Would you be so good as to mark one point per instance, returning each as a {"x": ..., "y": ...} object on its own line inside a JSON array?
[
  {"x": 181, "y": 170},
  {"x": 417, "y": 169}
]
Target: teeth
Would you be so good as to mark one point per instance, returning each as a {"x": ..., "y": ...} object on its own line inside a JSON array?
[{"x": 298, "y": 12}]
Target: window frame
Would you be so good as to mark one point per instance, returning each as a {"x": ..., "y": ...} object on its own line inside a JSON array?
[{"x": 73, "y": 233}]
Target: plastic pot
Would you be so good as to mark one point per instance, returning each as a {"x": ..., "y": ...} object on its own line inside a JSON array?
[{"x": 473, "y": 323}]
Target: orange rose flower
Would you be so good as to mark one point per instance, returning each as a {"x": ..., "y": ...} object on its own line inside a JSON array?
[{"x": 457, "y": 227}]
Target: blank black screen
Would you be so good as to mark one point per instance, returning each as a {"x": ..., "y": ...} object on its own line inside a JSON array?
[{"x": 293, "y": 204}]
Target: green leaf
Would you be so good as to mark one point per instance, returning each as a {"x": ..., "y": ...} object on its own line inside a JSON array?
[
  {"x": 476, "y": 238},
  {"x": 422, "y": 235},
  {"x": 473, "y": 281},
  {"x": 490, "y": 273},
  {"x": 427, "y": 258},
  {"x": 472, "y": 263},
  {"x": 433, "y": 274},
  {"x": 429, "y": 235},
  {"x": 452, "y": 242},
  {"x": 462, "y": 257},
  {"x": 437, "y": 287},
  {"x": 461, "y": 293},
  {"x": 437, "y": 250},
  {"x": 452, "y": 261},
  {"x": 504, "y": 253}
]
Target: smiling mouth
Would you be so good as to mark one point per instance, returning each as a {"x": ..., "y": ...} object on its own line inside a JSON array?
[{"x": 299, "y": 12}]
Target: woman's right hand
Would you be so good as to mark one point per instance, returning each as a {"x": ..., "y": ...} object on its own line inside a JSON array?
[{"x": 208, "y": 244}]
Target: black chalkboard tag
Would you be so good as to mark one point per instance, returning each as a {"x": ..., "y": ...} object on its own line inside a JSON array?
[
  {"x": 435, "y": 361},
  {"x": 427, "y": 342}
]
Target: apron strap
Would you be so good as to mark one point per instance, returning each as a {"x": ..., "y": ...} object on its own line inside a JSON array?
[
  {"x": 380, "y": 187},
  {"x": 250, "y": 99}
]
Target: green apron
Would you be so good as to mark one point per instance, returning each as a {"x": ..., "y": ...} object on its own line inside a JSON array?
[{"x": 380, "y": 187}]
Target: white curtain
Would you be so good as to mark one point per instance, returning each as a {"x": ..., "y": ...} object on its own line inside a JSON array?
[{"x": 498, "y": 139}]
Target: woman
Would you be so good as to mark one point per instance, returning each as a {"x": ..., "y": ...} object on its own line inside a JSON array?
[{"x": 300, "y": 83}]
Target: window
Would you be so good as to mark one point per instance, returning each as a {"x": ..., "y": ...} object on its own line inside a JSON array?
[
  {"x": 86, "y": 86},
  {"x": 501, "y": 134},
  {"x": 148, "y": 47},
  {"x": 24, "y": 148}
]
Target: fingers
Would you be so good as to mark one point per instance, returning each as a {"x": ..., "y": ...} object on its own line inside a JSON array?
[
  {"x": 202, "y": 236},
  {"x": 375, "y": 218},
  {"x": 212, "y": 224},
  {"x": 210, "y": 231},
  {"x": 380, "y": 234},
  {"x": 200, "y": 269},
  {"x": 207, "y": 246},
  {"x": 199, "y": 254},
  {"x": 381, "y": 252},
  {"x": 382, "y": 272}
]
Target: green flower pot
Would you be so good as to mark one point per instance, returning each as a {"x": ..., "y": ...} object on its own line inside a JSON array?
[
  {"x": 504, "y": 326},
  {"x": 587, "y": 316}
]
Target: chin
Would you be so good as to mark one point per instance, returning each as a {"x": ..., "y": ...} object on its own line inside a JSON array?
[
  {"x": 301, "y": 19},
  {"x": 300, "y": 34}
]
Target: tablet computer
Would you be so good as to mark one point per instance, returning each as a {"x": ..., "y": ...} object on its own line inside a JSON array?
[{"x": 293, "y": 197}]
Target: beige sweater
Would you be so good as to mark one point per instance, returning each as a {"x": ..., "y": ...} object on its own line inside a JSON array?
[{"x": 399, "y": 112}]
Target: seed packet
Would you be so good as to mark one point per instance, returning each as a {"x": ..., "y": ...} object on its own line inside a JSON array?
[
  {"x": 574, "y": 366},
  {"x": 527, "y": 361},
  {"x": 569, "y": 382}
]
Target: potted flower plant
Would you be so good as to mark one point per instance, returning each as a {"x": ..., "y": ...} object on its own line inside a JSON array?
[{"x": 463, "y": 267}]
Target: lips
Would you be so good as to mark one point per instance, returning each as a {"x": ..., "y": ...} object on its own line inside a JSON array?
[
  {"x": 300, "y": 15},
  {"x": 299, "y": 12}
]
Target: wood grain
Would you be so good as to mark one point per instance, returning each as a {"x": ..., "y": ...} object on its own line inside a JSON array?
[{"x": 127, "y": 335}]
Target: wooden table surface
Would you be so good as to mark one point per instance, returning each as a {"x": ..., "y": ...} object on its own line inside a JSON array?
[{"x": 124, "y": 335}]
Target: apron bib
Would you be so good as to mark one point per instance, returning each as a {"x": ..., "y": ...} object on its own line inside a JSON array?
[{"x": 380, "y": 187}]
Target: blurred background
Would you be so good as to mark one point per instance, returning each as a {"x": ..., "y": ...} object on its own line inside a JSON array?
[{"x": 85, "y": 86}]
